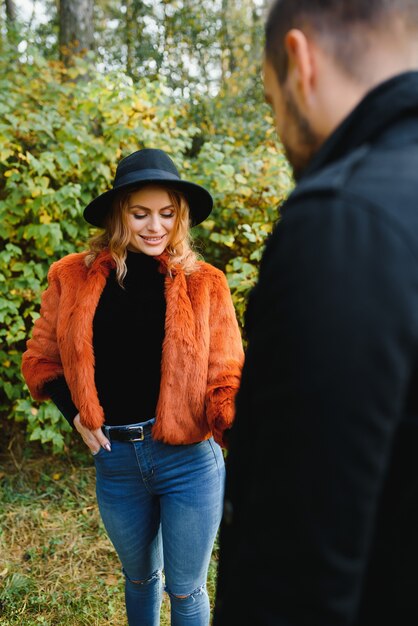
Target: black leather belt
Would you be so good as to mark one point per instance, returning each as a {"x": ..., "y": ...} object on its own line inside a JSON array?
[{"x": 126, "y": 433}]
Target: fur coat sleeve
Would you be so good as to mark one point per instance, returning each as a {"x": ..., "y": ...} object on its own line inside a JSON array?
[
  {"x": 42, "y": 360},
  {"x": 225, "y": 361}
]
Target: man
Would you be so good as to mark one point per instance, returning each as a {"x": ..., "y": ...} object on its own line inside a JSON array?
[{"x": 320, "y": 523}]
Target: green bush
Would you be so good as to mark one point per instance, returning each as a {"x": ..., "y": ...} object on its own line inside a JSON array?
[{"x": 62, "y": 132}]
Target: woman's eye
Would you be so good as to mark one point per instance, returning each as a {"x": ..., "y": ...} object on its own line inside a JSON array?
[{"x": 141, "y": 216}]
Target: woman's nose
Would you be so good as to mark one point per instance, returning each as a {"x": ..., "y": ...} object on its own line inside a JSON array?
[{"x": 154, "y": 223}]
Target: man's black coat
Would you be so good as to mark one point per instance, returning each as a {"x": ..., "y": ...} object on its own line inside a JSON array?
[{"x": 320, "y": 523}]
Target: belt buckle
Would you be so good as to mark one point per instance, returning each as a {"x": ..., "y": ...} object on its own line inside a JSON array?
[{"x": 141, "y": 436}]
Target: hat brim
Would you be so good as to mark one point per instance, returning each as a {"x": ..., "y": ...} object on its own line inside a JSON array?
[{"x": 199, "y": 199}]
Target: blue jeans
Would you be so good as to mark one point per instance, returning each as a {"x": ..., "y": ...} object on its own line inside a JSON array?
[{"x": 161, "y": 506}]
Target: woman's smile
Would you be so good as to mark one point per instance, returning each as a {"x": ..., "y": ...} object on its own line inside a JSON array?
[{"x": 152, "y": 240}]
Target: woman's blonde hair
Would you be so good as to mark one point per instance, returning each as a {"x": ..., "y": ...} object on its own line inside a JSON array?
[{"x": 116, "y": 234}]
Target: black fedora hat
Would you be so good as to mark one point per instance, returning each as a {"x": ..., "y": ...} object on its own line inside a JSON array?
[{"x": 150, "y": 165}]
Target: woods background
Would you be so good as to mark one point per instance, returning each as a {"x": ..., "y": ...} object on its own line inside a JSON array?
[{"x": 84, "y": 83}]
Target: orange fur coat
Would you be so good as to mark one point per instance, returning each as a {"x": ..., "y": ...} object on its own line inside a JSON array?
[{"x": 202, "y": 350}]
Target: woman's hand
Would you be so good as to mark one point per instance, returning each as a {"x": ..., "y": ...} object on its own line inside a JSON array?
[{"x": 94, "y": 439}]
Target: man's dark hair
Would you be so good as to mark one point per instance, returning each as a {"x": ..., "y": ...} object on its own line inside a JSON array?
[{"x": 341, "y": 25}]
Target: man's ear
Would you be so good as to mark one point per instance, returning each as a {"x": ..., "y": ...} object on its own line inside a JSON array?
[{"x": 301, "y": 72}]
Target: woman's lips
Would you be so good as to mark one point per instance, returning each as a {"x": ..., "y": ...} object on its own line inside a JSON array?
[{"x": 152, "y": 241}]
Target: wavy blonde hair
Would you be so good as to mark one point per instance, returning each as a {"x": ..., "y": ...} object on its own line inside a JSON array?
[{"x": 116, "y": 234}]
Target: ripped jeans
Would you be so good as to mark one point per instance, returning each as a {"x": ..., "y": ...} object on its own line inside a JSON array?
[{"x": 161, "y": 506}]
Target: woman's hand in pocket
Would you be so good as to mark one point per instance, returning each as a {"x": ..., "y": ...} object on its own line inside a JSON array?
[{"x": 94, "y": 439}]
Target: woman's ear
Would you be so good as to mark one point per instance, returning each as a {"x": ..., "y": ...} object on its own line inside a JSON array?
[{"x": 301, "y": 72}]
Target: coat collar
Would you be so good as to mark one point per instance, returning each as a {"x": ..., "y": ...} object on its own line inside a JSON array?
[
  {"x": 103, "y": 263},
  {"x": 389, "y": 103}
]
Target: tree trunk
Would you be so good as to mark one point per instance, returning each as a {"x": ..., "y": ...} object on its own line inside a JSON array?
[
  {"x": 76, "y": 28},
  {"x": 130, "y": 36},
  {"x": 228, "y": 64},
  {"x": 10, "y": 11},
  {"x": 10, "y": 19}
]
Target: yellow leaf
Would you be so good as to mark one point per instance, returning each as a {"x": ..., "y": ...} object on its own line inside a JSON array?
[
  {"x": 5, "y": 154},
  {"x": 245, "y": 191}
]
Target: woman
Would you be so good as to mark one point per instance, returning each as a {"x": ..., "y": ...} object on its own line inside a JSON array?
[{"x": 138, "y": 345}]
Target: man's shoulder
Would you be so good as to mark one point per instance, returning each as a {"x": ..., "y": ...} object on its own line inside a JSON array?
[
  {"x": 371, "y": 174},
  {"x": 368, "y": 185},
  {"x": 362, "y": 205},
  {"x": 332, "y": 179}
]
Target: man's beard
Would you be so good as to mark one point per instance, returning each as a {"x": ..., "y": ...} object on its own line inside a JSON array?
[{"x": 305, "y": 142}]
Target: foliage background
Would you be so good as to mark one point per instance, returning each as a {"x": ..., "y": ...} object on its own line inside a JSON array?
[
  {"x": 63, "y": 129},
  {"x": 181, "y": 75}
]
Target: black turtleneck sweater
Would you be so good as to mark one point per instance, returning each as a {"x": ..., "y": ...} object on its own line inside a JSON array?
[{"x": 128, "y": 332}]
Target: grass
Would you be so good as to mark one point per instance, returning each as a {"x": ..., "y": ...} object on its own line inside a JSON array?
[{"x": 57, "y": 565}]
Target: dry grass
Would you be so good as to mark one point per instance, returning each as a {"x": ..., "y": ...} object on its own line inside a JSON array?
[{"x": 57, "y": 566}]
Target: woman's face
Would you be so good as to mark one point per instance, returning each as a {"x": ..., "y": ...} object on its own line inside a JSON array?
[{"x": 151, "y": 219}]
